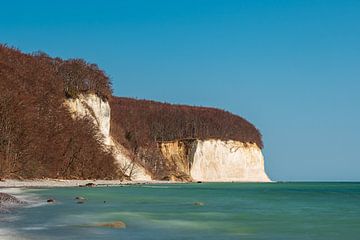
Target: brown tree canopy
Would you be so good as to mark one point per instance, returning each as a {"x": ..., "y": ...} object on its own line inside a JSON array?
[
  {"x": 38, "y": 137},
  {"x": 144, "y": 121}
]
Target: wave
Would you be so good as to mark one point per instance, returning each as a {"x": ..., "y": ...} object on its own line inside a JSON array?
[
  {"x": 156, "y": 186},
  {"x": 10, "y": 234},
  {"x": 32, "y": 199}
]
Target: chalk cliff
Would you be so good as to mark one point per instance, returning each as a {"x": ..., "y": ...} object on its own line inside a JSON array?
[
  {"x": 194, "y": 159},
  {"x": 216, "y": 160},
  {"x": 98, "y": 110}
]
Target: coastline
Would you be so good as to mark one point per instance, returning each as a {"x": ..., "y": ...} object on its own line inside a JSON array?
[
  {"x": 50, "y": 183},
  {"x": 40, "y": 183}
]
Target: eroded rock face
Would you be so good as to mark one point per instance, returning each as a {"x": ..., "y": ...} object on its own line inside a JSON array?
[
  {"x": 179, "y": 157},
  {"x": 98, "y": 110},
  {"x": 216, "y": 160}
]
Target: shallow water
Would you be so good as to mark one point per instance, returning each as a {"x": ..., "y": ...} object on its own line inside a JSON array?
[{"x": 230, "y": 211}]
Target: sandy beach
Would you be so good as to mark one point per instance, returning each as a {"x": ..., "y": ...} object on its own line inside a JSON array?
[{"x": 13, "y": 183}]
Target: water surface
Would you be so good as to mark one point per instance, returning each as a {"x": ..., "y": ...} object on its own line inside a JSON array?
[{"x": 230, "y": 211}]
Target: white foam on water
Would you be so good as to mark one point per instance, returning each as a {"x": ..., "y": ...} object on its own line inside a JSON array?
[
  {"x": 155, "y": 186},
  {"x": 21, "y": 194},
  {"x": 9, "y": 218},
  {"x": 32, "y": 200},
  {"x": 9, "y": 234},
  {"x": 177, "y": 223},
  {"x": 33, "y": 228}
]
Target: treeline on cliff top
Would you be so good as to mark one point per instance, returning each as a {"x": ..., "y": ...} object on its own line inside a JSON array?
[
  {"x": 38, "y": 137},
  {"x": 144, "y": 121}
]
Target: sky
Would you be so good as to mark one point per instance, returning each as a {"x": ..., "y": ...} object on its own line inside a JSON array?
[{"x": 290, "y": 67}]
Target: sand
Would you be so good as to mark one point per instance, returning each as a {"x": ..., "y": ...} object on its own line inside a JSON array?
[{"x": 12, "y": 183}]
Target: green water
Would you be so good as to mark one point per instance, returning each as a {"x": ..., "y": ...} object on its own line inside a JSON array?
[{"x": 230, "y": 211}]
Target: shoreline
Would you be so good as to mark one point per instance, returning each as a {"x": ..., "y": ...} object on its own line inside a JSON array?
[
  {"x": 50, "y": 183},
  {"x": 44, "y": 183}
]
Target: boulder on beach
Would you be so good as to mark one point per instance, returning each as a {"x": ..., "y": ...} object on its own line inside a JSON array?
[{"x": 90, "y": 185}]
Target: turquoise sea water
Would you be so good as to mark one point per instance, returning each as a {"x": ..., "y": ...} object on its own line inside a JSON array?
[{"x": 230, "y": 211}]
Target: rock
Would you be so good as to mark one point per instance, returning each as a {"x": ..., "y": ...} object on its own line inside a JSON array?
[
  {"x": 199, "y": 204},
  {"x": 117, "y": 224},
  {"x": 50, "y": 200},
  {"x": 90, "y": 185},
  {"x": 8, "y": 202},
  {"x": 9, "y": 199},
  {"x": 80, "y": 198}
]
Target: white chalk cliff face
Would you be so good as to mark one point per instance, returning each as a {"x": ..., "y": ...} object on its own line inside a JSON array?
[
  {"x": 216, "y": 160},
  {"x": 92, "y": 106}
]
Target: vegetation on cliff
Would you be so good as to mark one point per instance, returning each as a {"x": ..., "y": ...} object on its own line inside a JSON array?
[{"x": 38, "y": 137}]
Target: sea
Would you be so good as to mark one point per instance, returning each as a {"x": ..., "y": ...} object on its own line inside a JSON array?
[{"x": 211, "y": 211}]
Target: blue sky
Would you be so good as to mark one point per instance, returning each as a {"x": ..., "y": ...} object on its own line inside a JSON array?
[{"x": 290, "y": 67}]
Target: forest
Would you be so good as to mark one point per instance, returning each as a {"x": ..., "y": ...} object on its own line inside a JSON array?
[{"x": 38, "y": 137}]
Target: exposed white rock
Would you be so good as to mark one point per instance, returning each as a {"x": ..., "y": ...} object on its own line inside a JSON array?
[
  {"x": 225, "y": 161},
  {"x": 92, "y": 106}
]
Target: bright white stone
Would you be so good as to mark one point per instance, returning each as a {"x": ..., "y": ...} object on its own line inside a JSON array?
[
  {"x": 226, "y": 161},
  {"x": 95, "y": 108}
]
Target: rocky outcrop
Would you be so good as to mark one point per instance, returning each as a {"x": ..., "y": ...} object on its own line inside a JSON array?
[
  {"x": 8, "y": 202},
  {"x": 216, "y": 160},
  {"x": 6, "y": 198},
  {"x": 98, "y": 110}
]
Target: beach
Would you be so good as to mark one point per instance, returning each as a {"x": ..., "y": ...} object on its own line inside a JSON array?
[{"x": 48, "y": 183}]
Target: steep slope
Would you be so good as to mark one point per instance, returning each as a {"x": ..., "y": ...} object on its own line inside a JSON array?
[
  {"x": 98, "y": 111},
  {"x": 38, "y": 137}
]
